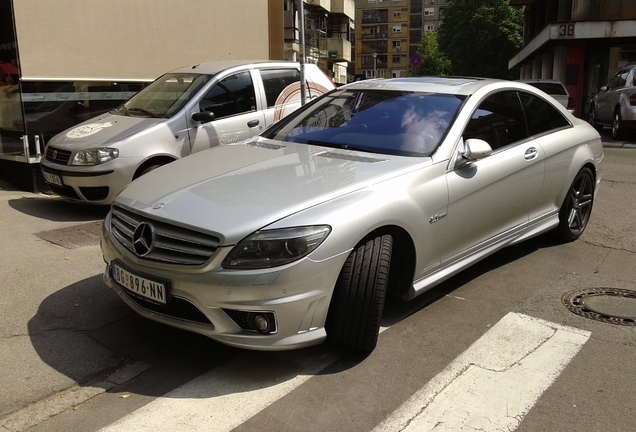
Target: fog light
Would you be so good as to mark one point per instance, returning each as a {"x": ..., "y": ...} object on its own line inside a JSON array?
[{"x": 262, "y": 322}]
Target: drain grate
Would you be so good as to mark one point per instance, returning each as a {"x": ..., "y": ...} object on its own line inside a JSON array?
[{"x": 610, "y": 305}]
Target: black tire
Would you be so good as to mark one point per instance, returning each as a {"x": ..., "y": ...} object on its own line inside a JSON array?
[
  {"x": 592, "y": 119},
  {"x": 576, "y": 209},
  {"x": 357, "y": 303},
  {"x": 618, "y": 127}
]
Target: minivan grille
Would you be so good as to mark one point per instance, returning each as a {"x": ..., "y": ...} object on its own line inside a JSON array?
[
  {"x": 171, "y": 244},
  {"x": 57, "y": 155}
]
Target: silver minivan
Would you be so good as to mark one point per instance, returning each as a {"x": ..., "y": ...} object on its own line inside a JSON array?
[{"x": 182, "y": 112}]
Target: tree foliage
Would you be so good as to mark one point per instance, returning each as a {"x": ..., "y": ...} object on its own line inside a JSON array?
[
  {"x": 480, "y": 36},
  {"x": 433, "y": 62}
]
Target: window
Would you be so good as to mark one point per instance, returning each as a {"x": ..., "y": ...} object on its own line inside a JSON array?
[
  {"x": 397, "y": 28},
  {"x": 429, "y": 11},
  {"x": 430, "y": 27},
  {"x": 619, "y": 80},
  {"x": 541, "y": 116},
  {"x": 499, "y": 120},
  {"x": 397, "y": 45},
  {"x": 233, "y": 95},
  {"x": 397, "y": 13},
  {"x": 275, "y": 82}
]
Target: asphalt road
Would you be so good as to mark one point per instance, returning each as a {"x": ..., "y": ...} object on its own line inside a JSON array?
[{"x": 74, "y": 358}]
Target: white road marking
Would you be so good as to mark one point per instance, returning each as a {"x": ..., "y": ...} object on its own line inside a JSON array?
[
  {"x": 494, "y": 383},
  {"x": 228, "y": 395}
]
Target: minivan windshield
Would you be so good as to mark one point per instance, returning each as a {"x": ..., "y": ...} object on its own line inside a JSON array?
[
  {"x": 165, "y": 96},
  {"x": 378, "y": 121}
]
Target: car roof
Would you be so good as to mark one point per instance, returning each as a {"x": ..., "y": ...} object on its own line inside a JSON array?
[
  {"x": 448, "y": 85},
  {"x": 214, "y": 67}
]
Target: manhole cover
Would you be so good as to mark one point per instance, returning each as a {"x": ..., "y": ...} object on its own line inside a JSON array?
[
  {"x": 610, "y": 305},
  {"x": 76, "y": 236}
]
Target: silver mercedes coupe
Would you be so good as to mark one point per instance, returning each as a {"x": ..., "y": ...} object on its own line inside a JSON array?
[{"x": 381, "y": 187}]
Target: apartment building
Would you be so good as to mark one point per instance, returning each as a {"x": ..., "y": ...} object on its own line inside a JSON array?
[
  {"x": 329, "y": 27},
  {"x": 582, "y": 43},
  {"x": 388, "y": 33}
]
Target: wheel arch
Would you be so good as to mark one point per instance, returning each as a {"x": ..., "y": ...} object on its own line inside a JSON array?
[
  {"x": 402, "y": 267},
  {"x": 155, "y": 160}
]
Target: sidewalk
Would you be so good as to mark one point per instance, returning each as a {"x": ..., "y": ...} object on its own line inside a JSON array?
[{"x": 45, "y": 287}]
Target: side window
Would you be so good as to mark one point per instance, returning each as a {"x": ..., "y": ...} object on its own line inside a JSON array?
[
  {"x": 233, "y": 95},
  {"x": 618, "y": 80},
  {"x": 498, "y": 120},
  {"x": 275, "y": 81},
  {"x": 541, "y": 115}
]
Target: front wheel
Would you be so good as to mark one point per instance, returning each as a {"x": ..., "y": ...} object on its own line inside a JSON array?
[
  {"x": 592, "y": 119},
  {"x": 357, "y": 303},
  {"x": 577, "y": 207}
]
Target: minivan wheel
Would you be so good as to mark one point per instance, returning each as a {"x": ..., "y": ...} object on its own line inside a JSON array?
[
  {"x": 592, "y": 119},
  {"x": 357, "y": 303},
  {"x": 617, "y": 126},
  {"x": 576, "y": 209}
]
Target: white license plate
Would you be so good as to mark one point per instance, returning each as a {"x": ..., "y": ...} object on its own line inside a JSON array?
[
  {"x": 52, "y": 178},
  {"x": 150, "y": 289}
]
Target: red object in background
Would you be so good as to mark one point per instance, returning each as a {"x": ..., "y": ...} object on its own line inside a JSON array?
[{"x": 8, "y": 69}]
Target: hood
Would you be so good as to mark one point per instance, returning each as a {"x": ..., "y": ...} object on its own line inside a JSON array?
[
  {"x": 233, "y": 190},
  {"x": 102, "y": 131}
]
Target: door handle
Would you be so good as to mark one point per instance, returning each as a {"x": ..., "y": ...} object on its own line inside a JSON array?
[
  {"x": 252, "y": 123},
  {"x": 531, "y": 153}
]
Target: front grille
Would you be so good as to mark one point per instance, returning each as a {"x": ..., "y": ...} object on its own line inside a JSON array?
[
  {"x": 58, "y": 156},
  {"x": 177, "y": 308},
  {"x": 96, "y": 193},
  {"x": 172, "y": 244}
]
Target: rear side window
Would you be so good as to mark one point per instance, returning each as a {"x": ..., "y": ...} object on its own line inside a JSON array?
[
  {"x": 541, "y": 115},
  {"x": 232, "y": 95},
  {"x": 275, "y": 81}
]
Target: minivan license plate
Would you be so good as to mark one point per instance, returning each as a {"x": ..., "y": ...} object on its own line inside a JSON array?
[
  {"x": 52, "y": 178},
  {"x": 153, "y": 290}
]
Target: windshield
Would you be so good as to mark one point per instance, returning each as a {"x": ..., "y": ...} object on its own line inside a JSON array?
[
  {"x": 165, "y": 96},
  {"x": 378, "y": 121}
]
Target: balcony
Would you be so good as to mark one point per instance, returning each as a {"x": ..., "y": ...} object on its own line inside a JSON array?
[
  {"x": 338, "y": 50},
  {"x": 345, "y": 7},
  {"x": 324, "y": 4}
]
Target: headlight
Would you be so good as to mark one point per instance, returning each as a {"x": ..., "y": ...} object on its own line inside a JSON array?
[
  {"x": 95, "y": 156},
  {"x": 272, "y": 248}
]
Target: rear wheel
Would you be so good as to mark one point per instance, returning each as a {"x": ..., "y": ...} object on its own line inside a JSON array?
[
  {"x": 618, "y": 128},
  {"x": 577, "y": 207},
  {"x": 358, "y": 300}
]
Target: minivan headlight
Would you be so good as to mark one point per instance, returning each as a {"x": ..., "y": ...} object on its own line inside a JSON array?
[
  {"x": 95, "y": 156},
  {"x": 272, "y": 248}
]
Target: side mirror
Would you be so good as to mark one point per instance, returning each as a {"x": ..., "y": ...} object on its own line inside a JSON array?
[
  {"x": 474, "y": 150},
  {"x": 203, "y": 116}
]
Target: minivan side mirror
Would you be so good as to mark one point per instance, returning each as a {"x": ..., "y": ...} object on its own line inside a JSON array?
[{"x": 203, "y": 116}]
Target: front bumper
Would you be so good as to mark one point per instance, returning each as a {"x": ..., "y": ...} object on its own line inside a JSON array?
[
  {"x": 98, "y": 184},
  {"x": 211, "y": 301}
]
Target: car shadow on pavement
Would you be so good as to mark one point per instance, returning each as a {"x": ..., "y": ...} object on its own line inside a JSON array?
[{"x": 58, "y": 210}]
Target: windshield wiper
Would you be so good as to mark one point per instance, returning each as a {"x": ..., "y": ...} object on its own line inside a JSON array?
[{"x": 141, "y": 110}]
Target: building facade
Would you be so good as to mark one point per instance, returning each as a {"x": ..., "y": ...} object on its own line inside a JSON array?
[
  {"x": 388, "y": 33},
  {"x": 582, "y": 43},
  {"x": 329, "y": 27}
]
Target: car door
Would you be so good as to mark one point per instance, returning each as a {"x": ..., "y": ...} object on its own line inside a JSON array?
[
  {"x": 493, "y": 197},
  {"x": 237, "y": 113},
  {"x": 608, "y": 99}
]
